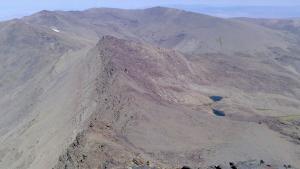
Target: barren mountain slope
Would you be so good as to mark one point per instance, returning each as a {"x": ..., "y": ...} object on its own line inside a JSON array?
[
  {"x": 291, "y": 28},
  {"x": 27, "y": 53},
  {"x": 40, "y": 93},
  {"x": 152, "y": 107},
  {"x": 287, "y": 25},
  {"x": 186, "y": 31}
]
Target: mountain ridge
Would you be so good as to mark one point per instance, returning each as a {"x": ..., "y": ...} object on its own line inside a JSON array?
[{"x": 137, "y": 20}]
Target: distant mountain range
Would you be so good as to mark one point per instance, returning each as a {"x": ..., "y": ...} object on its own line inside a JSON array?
[
  {"x": 220, "y": 11},
  {"x": 244, "y": 11}
]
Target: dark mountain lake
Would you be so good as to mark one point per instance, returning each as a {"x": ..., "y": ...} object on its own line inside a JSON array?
[
  {"x": 216, "y": 98},
  {"x": 218, "y": 112}
]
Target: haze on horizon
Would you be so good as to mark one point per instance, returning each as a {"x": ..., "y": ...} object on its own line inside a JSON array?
[{"x": 224, "y": 8}]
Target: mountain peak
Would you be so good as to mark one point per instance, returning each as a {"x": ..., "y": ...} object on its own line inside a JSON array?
[
  {"x": 109, "y": 41},
  {"x": 109, "y": 38},
  {"x": 161, "y": 9}
]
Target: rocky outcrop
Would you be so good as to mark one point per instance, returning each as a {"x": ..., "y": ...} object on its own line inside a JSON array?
[{"x": 130, "y": 123}]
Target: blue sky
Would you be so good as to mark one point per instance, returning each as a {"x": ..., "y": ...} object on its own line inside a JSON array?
[{"x": 16, "y": 8}]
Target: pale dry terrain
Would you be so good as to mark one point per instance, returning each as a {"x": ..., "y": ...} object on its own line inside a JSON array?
[{"x": 110, "y": 88}]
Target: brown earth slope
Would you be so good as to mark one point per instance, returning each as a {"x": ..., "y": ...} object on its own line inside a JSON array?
[{"x": 149, "y": 109}]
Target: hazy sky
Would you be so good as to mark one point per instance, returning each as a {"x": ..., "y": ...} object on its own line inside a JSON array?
[{"x": 17, "y": 8}]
